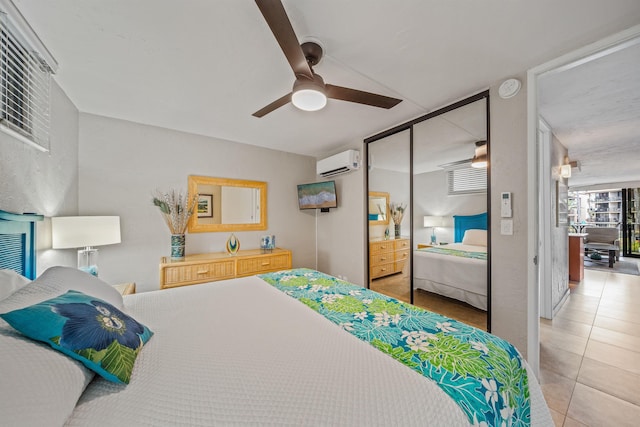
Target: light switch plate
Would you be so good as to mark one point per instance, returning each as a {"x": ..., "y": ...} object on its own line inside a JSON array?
[{"x": 506, "y": 227}]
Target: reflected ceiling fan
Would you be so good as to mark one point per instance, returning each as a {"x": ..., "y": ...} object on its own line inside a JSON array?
[{"x": 309, "y": 92}]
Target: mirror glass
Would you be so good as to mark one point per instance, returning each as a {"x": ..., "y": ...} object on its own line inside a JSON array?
[
  {"x": 389, "y": 241},
  {"x": 450, "y": 199},
  {"x": 378, "y": 208},
  {"x": 227, "y": 204}
]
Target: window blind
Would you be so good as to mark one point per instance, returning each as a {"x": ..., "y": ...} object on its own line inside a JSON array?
[
  {"x": 466, "y": 180},
  {"x": 25, "y": 81}
]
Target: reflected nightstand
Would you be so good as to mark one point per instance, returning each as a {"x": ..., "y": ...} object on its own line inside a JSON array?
[{"x": 126, "y": 288}]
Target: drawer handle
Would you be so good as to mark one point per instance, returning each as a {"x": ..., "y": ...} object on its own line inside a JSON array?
[
  {"x": 202, "y": 271},
  {"x": 383, "y": 269},
  {"x": 383, "y": 259},
  {"x": 265, "y": 263}
]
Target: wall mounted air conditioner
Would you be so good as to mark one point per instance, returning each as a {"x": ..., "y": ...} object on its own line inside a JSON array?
[{"x": 339, "y": 163}]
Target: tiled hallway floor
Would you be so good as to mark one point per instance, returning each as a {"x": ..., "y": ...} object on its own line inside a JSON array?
[{"x": 590, "y": 353}]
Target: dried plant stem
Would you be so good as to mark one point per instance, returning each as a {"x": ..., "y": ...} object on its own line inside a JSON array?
[{"x": 176, "y": 209}]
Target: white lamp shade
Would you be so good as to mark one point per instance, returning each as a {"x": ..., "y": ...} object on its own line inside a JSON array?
[
  {"x": 432, "y": 221},
  {"x": 84, "y": 231},
  {"x": 565, "y": 171}
]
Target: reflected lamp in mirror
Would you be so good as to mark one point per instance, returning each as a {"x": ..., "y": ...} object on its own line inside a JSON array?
[
  {"x": 85, "y": 232},
  {"x": 480, "y": 159},
  {"x": 433, "y": 222}
]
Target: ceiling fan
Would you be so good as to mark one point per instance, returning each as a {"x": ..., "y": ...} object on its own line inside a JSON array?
[{"x": 309, "y": 92}]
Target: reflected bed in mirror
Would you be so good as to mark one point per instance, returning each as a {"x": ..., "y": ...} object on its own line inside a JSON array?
[
  {"x": 378, "y": 208},
  {"x": 228, "y": 204}
]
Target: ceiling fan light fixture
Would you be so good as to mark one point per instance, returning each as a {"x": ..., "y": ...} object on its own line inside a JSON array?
[
  {"x": 480, "y": 159},
  {"x": 309, "y": 95},
  {"x": 309, "y": 99}
]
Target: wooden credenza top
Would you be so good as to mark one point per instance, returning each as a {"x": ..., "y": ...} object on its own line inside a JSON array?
[{"x": 213, "y": 266}]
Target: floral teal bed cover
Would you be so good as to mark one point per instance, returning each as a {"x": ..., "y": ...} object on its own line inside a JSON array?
[
  {"x": 455, "y": 252},
  {"x": 483, "y": 374}
]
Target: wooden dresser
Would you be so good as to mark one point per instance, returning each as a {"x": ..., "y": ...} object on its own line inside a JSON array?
[
  {"x": 210, "y": 267},
  {"x": 387, "y": 256}
]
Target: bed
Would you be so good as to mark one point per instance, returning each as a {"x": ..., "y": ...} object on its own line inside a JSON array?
[
  {"x": 457, "y": 270},
  {"x": 295, "y": 347}
]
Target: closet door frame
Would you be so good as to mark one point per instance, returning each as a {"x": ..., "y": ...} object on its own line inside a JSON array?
[{"x": 409, "y": 125}]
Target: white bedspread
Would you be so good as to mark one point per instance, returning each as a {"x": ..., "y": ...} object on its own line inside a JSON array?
[
  {"x": 241, "y": 352},
  {"x": 456, "y": 277}
]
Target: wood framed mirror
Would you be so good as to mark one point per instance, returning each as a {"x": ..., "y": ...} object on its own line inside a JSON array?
[
  {"x": 378, "y": 208},
  {"x": 227, "y": 204}
]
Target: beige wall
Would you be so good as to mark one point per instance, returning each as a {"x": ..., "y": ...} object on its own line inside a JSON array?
[
  {"x": 44, "y": 183},
  {"x": 509, "y": 254},
  {"x": 341, "y": 232},
  {"x": 122, "y": 163},
  {"x": 560, "y": 242}
]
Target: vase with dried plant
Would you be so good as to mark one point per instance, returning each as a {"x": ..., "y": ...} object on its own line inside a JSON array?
[
  {"x": 397, "y": 212},
  {"x": 176, "y": 209}
]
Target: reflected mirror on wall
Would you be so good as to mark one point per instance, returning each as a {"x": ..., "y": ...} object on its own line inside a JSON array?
[
  {"x": 448, "y": 256},
  {"x": 389, "y": 223}
]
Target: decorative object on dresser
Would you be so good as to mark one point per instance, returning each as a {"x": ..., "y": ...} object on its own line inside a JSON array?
[
  {"x": 267, "y": 243},
  {"x": 397, "y": 212},
  {"x": 211, "y": 267},
  {"x": 176, "y": 210},
  {"x": 387, "y": 257},
  {"x": 233, "y": 245},
  {"x": 85, "y": 232}
]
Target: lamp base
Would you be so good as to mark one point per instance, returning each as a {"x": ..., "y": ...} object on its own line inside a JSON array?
[{"x": 88, "y": 260}]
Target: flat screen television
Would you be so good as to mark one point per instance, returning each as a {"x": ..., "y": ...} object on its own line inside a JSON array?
[{"x": 317, "y": 195}]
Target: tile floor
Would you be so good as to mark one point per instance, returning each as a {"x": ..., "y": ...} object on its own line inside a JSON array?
[{"x": 590, "y": 353}]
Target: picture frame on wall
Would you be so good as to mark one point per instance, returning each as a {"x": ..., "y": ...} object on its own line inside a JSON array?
[{"x": 205, "y": 206}]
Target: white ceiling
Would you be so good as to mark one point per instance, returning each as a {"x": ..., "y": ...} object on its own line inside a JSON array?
[
  {"x": 204, "y": 66},
  {"x": 594, "y": 111},
  {"x": 438, "y": 141}
]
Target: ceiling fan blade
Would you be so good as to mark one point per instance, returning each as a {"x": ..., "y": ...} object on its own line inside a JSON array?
[
  {"x": 273, "y": 106},
  {"x": 361, "y": 97},
  {"x": 277, "y": 19}
]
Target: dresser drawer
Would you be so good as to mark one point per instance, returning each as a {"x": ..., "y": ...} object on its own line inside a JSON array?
[
  {"x": 401, "y": 244},
  {"x": 198, "y": 273},
  {"x": 382, "y": 258},
  {"x": 257, "y": 265},
  {"x": 382, "y": 270},
  {"x": 401, "y": 255},
  {"x": 381, "y": 247}
]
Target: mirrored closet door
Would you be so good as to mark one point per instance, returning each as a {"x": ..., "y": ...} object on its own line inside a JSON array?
[
  {"x": 441, "y": 159},
  {"x": 389, "y": 197}
]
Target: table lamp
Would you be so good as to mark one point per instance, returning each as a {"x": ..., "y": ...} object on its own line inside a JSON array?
[
  {"x": 433, "y": 222},
  {"x": 85, "y": 232}
]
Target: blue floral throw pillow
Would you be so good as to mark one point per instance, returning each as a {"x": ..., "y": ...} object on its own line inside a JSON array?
[{"x": 86, "y": 328}]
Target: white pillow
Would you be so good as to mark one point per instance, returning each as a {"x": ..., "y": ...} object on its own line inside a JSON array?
[
  {"x": 10, "y": 281},
  {"x": 57, "y": 281},
  {"x": 475, "y": 237},
  {"x": 39, "y": 385}
]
